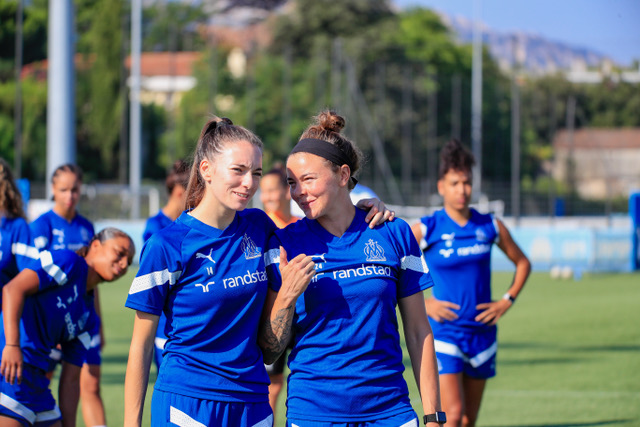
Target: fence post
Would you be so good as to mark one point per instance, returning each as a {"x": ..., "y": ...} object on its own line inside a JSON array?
[{"x": 634, "y": 211}]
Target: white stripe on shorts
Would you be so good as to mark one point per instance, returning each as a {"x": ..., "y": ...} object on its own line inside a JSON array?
[
  {"x": 412, "y": 423},
  {"x": 181, "y": 419},
  {"x": 53, "y": 414},
  {"x": 160, "y": 342},
  {"x": 483, "y": 356},
  {"x": 453, "y": 350},
  {"x": 267, "y": 422},
  {"x": 448, "y": 348},
  {"x": 17, "y": 407}
]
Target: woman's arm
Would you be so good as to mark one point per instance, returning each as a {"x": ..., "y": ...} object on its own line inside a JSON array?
[
  {"x": 277, "y": 314},
  {"x": 377, "y": 211},
  {"x": 492, "y": 311},
  {"x": 137, "y": 376},
  {"x": 14, "y": 294},
  {"x": 69, "y": 393},
  {"x": 419, "y": 339}
]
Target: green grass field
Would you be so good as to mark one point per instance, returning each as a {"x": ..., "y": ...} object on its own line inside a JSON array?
[{"x": 569, "y": 354}]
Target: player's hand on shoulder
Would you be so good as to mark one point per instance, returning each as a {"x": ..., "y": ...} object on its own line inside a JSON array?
[
  {"x": 11, "y": 365},
  {"x": 492, "y": 311},
  {"x": 296, "y": 273},
  {"x": 441, "y": 310},
  {"x": 377, "y": 211}
]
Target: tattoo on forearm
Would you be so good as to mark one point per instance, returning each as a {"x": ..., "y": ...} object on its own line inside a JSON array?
[{"x": 276, "y": 334}]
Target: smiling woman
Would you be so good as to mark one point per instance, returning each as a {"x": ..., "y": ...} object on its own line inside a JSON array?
[
  {"x": 206, "y": 273},
  {"x": 60, "y": 286},
  {"x": 346, "y": 363}
]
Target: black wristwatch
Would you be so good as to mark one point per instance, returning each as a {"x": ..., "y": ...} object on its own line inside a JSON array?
[{"x": 438, "y": 417}]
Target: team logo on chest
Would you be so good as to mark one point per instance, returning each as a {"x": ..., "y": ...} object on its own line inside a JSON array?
[
  {"x": 249, "y": 248},
  {"x": 374, "y": 251},
  {"x": 480, "y": 235},
  {"x": 85, "y": 234},
  {"x": 59, "y": 233},
  {"x": 201, "y": 255},
  {"x": 448, "y": 239}
]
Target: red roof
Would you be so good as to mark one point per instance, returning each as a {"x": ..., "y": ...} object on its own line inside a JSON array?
[
  {"x": 151, "y": 64},
  {"x": 599, "y": 138}
]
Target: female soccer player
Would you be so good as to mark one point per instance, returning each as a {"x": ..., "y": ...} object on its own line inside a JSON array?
[
  {"x": 46, "y": 305},
  {"x": 64, "y": 228},
  {"x": 176, "y": 184},
  {"x": 16, "y": 246},
  {"x": 206, "y": 273},
  {"x": 457, "y": 243},
  {"x": 346, "y": 363},
  {"x": 276, "y": 199}
]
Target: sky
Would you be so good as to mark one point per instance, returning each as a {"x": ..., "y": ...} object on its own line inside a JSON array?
[{"x": 610, "y": 27}]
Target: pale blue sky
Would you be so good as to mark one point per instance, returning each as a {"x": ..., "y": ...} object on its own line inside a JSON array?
[{"x": 611, "y": 27}]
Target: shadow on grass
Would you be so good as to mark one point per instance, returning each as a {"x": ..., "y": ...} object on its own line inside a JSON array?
[
  {"x": 594, "y": 423},
  {"x": 115, "y": 359},
  {"x": 554, "y": 361}
]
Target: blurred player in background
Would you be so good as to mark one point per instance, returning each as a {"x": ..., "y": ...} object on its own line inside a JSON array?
[
  {"x": 46, "y": 305},
  {"x": 346, "y": 363},
  {"x": 16, "y": 245},
  {"x": 176, "y": 184},
  {"x": 457, "y": 243},
  {"x": 276, "y": 199},
  {"x": 64, "y": 228}
]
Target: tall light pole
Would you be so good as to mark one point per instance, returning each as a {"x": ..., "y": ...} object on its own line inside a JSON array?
[
  {"x": 61, "y": 136},
  {"x": 17, "y": 161},
  {"x": 135, "y": 111},
  {"x": 476, "y": 96}
]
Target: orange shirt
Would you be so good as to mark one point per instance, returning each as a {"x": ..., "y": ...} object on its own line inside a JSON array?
[{"x": 281, "y": 223}]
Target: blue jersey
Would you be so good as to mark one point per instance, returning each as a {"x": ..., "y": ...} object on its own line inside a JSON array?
[
  {"x": 59, "y": 313},
  {"x": 346, "y": 363},
  {"x": 211, "y": 284},
  {"x": 154, "y": 224},
  {"x": 52, "y": 232},
  {"x": 16, "y": 248},
  {"x": 460, "y": 262}
]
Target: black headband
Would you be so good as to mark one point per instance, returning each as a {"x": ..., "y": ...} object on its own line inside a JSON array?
[{"x": 324, "y": 149}]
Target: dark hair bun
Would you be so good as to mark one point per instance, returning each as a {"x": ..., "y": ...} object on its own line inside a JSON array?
[{"x": 331, "y": 121}]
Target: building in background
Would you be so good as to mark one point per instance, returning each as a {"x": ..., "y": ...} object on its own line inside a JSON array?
[{"x": 598, "y": 163}]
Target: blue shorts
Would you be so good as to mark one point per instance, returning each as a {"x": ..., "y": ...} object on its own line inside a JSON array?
[
  {"x": 471, "y": 352},
  {"x": 406, "y": 419},
  {"x": 31, "y": 401},
  {"x": 93, "y": 354},
  {"x": 184, "y": 411}
]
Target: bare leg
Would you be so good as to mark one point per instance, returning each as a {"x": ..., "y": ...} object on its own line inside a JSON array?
[
  {"x": 274, "y": 390},
  {"x": 453, "y": 403},
  {"x": 92, "y": 406},
  {"x": 473, "y": 391},
  {"x": 9, "y": 422}
]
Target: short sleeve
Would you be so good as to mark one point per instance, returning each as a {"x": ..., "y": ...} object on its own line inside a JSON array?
[
  {"x": 41, "y": 233},
  {"x": 413, "y": 274},
  {"x": 160, "y": 268},
  {"x": 22, "y": 247},
  {"x": 272, "y": 263},
  {"x": 55, "y": 266},
  {"x": 150, "y": 228}
]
